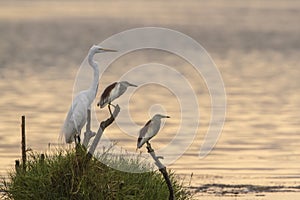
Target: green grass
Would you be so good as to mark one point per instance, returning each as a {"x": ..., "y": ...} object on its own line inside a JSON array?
[{"x": 67, "y": 175}]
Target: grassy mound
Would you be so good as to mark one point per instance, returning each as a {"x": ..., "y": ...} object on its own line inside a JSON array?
[{"x": 68, "y": 175}]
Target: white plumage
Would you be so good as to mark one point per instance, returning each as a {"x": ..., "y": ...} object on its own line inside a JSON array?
[
  {"x": 150, "y": 129},
  {"x": 77, "y": 115}
]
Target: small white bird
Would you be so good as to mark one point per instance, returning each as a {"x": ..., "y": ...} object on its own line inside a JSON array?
[
  {"x": 77, "y": 115},
  {"x": 150, "y": 129},
  {"x": 112, "y": 92}
]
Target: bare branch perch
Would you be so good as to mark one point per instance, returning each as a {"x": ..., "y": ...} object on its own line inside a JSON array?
[
  {"x": 88, "y": 134},
  {"x": 162, "y": 169},
  {"x": 100, "y": 131}
]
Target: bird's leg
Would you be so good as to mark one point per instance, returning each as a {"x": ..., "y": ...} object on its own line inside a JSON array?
[
  {"x": 109, "y": 104},
  {"x": 109, "y": 109},
  {"x": 77, "y": 138},
  {"x": 112, "y": 105}
]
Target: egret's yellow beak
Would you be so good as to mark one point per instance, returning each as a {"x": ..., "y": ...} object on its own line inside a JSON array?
[{"x": 109, "y": 50}]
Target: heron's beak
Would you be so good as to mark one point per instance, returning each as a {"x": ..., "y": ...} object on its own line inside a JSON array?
[
  {"x": 133, "y": 85},
  {"x": 167, "y": 117},
  {"x": 109, "y": 50}
]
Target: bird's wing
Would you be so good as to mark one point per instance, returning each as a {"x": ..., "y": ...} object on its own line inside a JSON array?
[
  {"x": 105, "y": 95},
  {"x": 76, "y": 117},
  {"x": 69, "y": 127},
  {"x": 71, "y": 116},
  {"x": 142, "y": 135},
  {"x": 115, "y": 92},
  {"x": 79, "y": 115}
]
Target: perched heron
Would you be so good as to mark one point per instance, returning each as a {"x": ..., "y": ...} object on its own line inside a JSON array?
[
  {"x": 77, "y": 115},
  {"x": 150, "y": 129},
  {"x": 112, "y": 92}
]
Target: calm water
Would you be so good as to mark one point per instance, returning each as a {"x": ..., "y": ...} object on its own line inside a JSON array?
[{"x": 255, "y": 46}]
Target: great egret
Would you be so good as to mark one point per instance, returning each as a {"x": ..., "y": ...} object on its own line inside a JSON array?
[
  {"x": 150, "y": 129},
  {"x": 77, "y": 115},
  {"x": 112, "y": 92}
]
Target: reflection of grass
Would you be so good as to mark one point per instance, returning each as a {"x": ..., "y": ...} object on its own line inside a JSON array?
[{"x": 66, "y": 175}]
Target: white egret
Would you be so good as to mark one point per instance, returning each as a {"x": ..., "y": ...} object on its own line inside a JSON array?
[
  {"x": 150, "y": 129},
  {"x": 112, "y": 92},
  {"x": 77, "y": 115}
]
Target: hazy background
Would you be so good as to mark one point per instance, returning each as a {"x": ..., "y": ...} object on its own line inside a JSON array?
[{"x": 255, "y": 45}]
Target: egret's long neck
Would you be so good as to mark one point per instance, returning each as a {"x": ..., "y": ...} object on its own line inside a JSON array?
[{"x": 94, "y": 87}]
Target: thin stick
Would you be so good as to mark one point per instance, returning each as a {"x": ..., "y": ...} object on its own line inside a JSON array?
[
  {"x": 100, "y": 131},
  {"x": 162, "y": 169},
  {"x": 23, "y": 143},
  {"x": 17, "y": 166}
]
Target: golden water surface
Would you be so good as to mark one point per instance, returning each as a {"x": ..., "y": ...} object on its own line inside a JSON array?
[{"x": 254, "y": 44}]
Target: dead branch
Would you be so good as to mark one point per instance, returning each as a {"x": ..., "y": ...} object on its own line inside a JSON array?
[
  {"x": 162, "y": 169},
  {"x": 103, "y": 125},
  {"x": 88, "y": 134}
]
